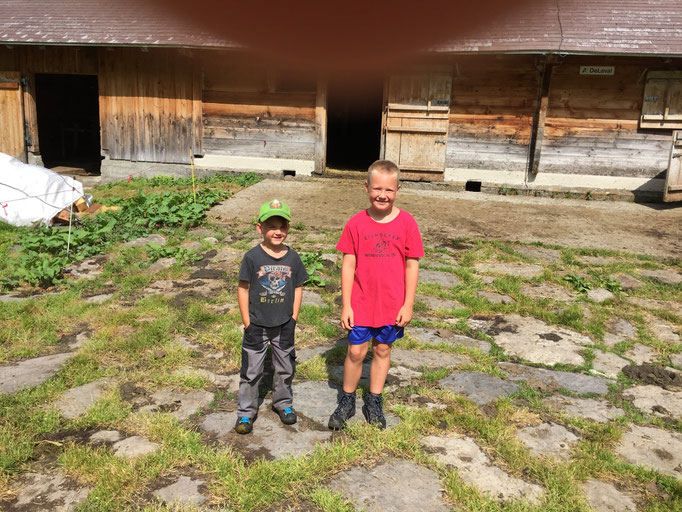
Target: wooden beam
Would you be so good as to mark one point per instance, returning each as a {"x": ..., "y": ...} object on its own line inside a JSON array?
[
  {"x": 537, "y": 133},
  {"x": 197, "y": 111},
  {"x": 673, "y": 178},
  {"x": 321, "y": 126},
  {"x": 31, "y": 114}
]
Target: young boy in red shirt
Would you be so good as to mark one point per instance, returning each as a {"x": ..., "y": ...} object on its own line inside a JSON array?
[{"x": 381, "y": 248}]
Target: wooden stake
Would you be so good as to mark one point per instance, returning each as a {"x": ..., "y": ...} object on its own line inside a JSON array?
[{"x": 191, "y": 161}]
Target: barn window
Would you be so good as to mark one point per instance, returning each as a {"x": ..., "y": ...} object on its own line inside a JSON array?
[{"x": 662, "y": 103}]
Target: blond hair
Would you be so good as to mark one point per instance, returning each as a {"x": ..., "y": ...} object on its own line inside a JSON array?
[{"x": 385, "y": 166}]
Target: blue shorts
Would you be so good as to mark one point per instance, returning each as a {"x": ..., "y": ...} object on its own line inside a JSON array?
[{"x": 385, "y": 334}]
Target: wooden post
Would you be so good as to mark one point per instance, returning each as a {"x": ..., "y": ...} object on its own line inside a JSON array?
[
  {"x": 321, "y": 126},
  {"x": 673, "y": 178},
  {"x": 197, "y": 107},
  {"x": 538, "y": 130},
  {"x": 30, "y": 114}
]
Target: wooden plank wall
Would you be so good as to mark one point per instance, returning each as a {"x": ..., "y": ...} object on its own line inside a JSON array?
[
  {"x": 491, "y": 112},
  {"x": 11, "y": 115},
  {"x": 592, "y": 121},
  {"x": 148, "y": 108},
  {"x": 253, "y": 109}
]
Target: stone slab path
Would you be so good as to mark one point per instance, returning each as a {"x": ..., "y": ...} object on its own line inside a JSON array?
[
  {"x": 317, "y": 400},
  {"x": 438, "y": 277},
  {"x": 181, "y": 404},
  {"x": 430, "y": 336},
  {"x": 53, "y": 492},
  {"x": 552, "y": 380},
  {"x": 435, "y": 304},
  {"x": 477, "y": 470},
  {"x": 184, "y": 491},
  {"x": 548, "y": 439},
  {"x": 653, "y": 448},
  {"x": 534, "y": 340},
  {"x": 546, "y": 291},
  {"x": 600, "y": 411},
  {"x": 385, "y": 488},
  {"x": 31, "y": 372},
  {"x": 426, "y": 358},
  {"x": 523, "y": 270},
  {"x": 270, "y": 437},
  {"x": 626, "y": 340},
  {"x": 76, "y": 401},
  {"x": 135, "y": 446},
  {"x": 543, "y": 254},
  {"x": 480, "y": 388},
  {"x": 656, "y": 401},
  {"x": 604, "y": 497}
]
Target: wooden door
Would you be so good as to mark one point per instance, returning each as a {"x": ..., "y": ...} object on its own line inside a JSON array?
[
  {"x": 12, "y": 140},
  {"x": 673, "y": 178},
  {"x": 415, "y": 122}
]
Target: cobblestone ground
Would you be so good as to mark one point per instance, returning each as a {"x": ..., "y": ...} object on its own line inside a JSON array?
[{"x": 539, "y": 374}]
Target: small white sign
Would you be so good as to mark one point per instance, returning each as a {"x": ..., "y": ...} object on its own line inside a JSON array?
[{"x": 597, "y": 70}]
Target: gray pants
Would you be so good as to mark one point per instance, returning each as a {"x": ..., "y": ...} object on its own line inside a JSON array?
[{"x": 254, "y": 349}]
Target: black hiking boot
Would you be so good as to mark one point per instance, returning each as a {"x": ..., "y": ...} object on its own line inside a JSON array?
[
  {"x": 344, "y": 412},
  {"x": 373, "y": 410}
]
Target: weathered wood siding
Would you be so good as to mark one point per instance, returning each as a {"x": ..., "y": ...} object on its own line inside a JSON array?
[
  {"x": 592, "y": 121},
  {"x": 148, "y": 105},
  {"x": 11, "y": 115},
  {"x": 252, "y": 109},
  {"x": 491, "y": 112}
]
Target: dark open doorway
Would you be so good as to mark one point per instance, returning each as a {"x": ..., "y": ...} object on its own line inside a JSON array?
[
  {"x": 68, "y": 121},
  {"x": 354, "y": 122}
]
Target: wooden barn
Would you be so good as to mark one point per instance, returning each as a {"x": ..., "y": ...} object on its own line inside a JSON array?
[{"x": 564, "y": 96}]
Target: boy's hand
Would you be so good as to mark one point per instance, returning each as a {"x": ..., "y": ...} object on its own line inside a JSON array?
[
  {"x": 347, "y": 318},
  {"x": 404, "y": 316}
]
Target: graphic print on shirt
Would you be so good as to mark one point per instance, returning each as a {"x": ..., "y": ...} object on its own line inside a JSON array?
[
  {"x": 273, "y": 279},
  {"x": 381, "y": 246}
]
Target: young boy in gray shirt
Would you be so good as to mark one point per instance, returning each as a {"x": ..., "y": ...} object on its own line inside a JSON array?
[{"x": 270, "y": 293}]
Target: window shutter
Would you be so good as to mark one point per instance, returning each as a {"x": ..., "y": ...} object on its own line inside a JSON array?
[{"x": 662, "y": 102}]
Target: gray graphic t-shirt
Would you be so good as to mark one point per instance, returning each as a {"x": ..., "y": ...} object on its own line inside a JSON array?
[{"x": 273, "y": 280}]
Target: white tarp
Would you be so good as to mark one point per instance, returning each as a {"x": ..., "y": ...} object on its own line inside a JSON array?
[{"x": 32, "y": 194}]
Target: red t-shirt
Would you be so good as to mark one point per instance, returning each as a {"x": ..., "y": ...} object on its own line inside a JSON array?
[{"x": 380, "y": 250}]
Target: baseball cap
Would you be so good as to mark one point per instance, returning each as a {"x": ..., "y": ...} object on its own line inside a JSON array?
[{"x": 272, "y": 209}]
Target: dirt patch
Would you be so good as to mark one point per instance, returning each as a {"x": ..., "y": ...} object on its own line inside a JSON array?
[
  {"x": 100, "y": 291},
  {"x": 206, "y": 259},
  {"x": 207, "y": 273},
  {"x": 78, "y": 329},
  {"x": 444, "y": 216},
  {"x": 655, "y": 374},
  {"x": 298, "y": 505},
  {"x": 134, "y": 394}
]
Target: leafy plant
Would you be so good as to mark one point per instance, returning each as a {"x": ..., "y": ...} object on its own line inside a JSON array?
[
  {"x": 313, "y": 264},
  {"x": 43, "y": 251},
  {"x": 607, "y": 282},
  {"x": 580, "y": 284},
  {"x": 583, "y": 285}
]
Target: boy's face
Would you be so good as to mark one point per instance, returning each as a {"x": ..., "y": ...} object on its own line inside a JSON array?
[
  {"x": 382, "y": 188},
  {"x": 274, "y": 231}
]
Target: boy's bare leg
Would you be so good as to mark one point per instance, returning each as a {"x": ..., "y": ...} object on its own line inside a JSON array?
[
  {"x": 381, "y": 362},
  {"x": 352, "y": 367}
]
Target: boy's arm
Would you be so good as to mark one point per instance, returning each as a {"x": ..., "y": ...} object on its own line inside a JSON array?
[
  {"x": 298, "y": 298},
  {"x": 411, "y": 278},
  {"x": 243, "y": 299},
  {"x": 347, "y": 278}
]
